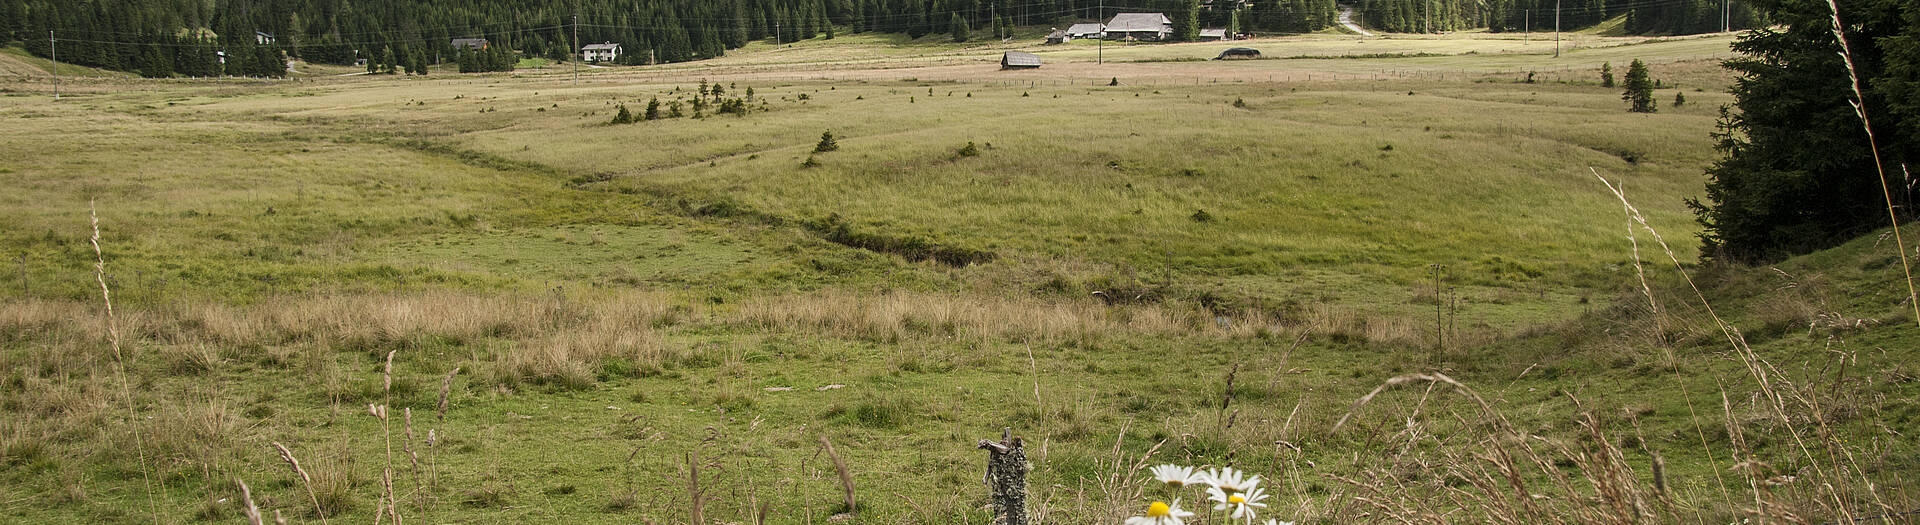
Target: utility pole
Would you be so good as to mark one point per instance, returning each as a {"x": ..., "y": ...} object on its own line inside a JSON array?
[
  {"x": 1726, "y": 15},
  {"x": 54, "y": 45},
  {"x": 576, "y": 44},
  {"x": 1100, "y": 51},
  {"x": 1556, "y": 28},
  {"x": 1527, "y": 36}
]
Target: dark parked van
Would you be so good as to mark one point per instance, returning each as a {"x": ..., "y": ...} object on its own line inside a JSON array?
[{"x": 1238, "y": 52}]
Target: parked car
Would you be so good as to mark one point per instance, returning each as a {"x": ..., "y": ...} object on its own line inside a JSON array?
[{"x": 1238, "y": 52}]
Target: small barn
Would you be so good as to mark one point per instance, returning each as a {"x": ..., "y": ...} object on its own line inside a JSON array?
[
  {"x": 1018, "y": 60},
  {"x": 1213, "y": 35},
  {"x": 469, "y": 43},
  {"x": 1058, "y": 37},
  {"x": 1085, "y": 31},
  {"x": 606, "y": 52}
]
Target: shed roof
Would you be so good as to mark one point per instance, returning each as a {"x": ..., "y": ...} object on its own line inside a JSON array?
[
  {"x": 1084, "y": 29},
  {"x": 1214, "y": 33},
  {"x": 1016, "y": 58},
  {"x": 469, "y": 42},
  {"x": 1137, "y": 22},
  {"x": 602, "y": 47}
]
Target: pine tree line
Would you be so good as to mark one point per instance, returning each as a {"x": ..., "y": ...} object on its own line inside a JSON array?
[
  {"x": 182, "y": 37},
  {"x": 114, "y": 34},
  {"x": 1642, "y": 16}
]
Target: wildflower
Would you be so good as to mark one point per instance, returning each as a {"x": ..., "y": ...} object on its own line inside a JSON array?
[
  {"x": 1230, "y": 481},
  {"x": 1240, "y": 505},
  {"x": 1271, "y": 521},
  {"x": 1177, "y": 476},
  {"x": 1160, "y": 513}
]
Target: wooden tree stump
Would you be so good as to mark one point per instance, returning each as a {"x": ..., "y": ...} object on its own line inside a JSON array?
[{"x": 1006, "y": 479}]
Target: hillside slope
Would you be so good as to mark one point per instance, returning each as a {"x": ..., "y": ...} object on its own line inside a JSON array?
[
  {"x": 1831, "y": 334},
  {"x": 16, "y": 62}
]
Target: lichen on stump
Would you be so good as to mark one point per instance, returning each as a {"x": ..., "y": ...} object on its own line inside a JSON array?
[{"x": 1006, "y": 479}]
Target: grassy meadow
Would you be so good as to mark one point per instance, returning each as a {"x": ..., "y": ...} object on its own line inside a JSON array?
[{"x": 575, "y": 320}]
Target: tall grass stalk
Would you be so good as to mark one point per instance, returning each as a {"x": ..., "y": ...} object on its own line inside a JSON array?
[
  {"x": 696, "y": 501},
  {"x": 1761, "y": 370},
  {"x": 840, "y": 466},
  {"x": 433, "y": 435},
  {"x": 386, "y": 432},
  {"x": 306, "y": 480},
  {"x": 413, "y": 458},
  {"x": 119, "y": 358},
  {"x": 246, "y": 497},
  {"x": 1860, "y": 108},
  {"x": 1666, "y": 346}
]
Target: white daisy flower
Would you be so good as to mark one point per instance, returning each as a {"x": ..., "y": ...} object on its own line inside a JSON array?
[
  {"x": 1177, "y": 476},
  {"x": 1239, "y": 505},
  {"x": 1229, "y": 480},
  {"x": 1271, "y": 521},
  {"x": 1160, "y": 513}
]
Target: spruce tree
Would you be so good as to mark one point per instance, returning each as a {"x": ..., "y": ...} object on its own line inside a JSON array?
[
  {"x": 827, "y": 143},
  {"x": 273, "y": 63},
  {"x": 1186, "y": 21},
  {"x": 653, "y": 109},
  {"x": 154, "y": 65},
  {"x": 1639, "y": 93},
  {"x": 1797, "y": 172},
  {"x": 959, "y": 28},
  {"x": 737, "y": 36},
  {"x": 1606, "y": 74}
]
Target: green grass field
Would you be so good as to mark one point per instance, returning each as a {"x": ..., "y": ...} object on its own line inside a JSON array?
[{"x": 629, "y": 305}]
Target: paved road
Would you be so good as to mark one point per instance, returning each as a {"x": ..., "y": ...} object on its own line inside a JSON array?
[{"x": 1346, "y": 19}]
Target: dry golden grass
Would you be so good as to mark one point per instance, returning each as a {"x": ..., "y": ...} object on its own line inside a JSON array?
[{"x": 898, "y": 316}]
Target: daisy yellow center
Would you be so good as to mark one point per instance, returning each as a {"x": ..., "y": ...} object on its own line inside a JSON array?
[
  {"x": 1175, "y": 482},
  {"x": 1236, "y": 499},
  {"x": 1159, "y": 510}
]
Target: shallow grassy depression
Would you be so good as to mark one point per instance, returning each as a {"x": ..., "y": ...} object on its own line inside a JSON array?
[{"x": 615, "y": 311}]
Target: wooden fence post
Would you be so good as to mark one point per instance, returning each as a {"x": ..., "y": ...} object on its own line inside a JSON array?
[{"x": 1006, "y": 478}]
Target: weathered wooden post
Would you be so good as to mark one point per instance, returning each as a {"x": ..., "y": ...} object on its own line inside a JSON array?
[{"x": 1006, "y": 478}]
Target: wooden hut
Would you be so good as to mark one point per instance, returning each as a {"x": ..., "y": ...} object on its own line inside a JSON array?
[{"x": 1018, "y": 60}]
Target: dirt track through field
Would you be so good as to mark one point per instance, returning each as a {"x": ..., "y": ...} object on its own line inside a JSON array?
[{"x": 1346, "y": 20}]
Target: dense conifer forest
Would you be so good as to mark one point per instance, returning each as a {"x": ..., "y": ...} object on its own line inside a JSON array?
[
  {"x": 1663, "y": 17},
  {"x": 162, "y": 38}
]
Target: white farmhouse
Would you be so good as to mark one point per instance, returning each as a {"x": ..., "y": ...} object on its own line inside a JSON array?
[{"x": 601, "y": 52}]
